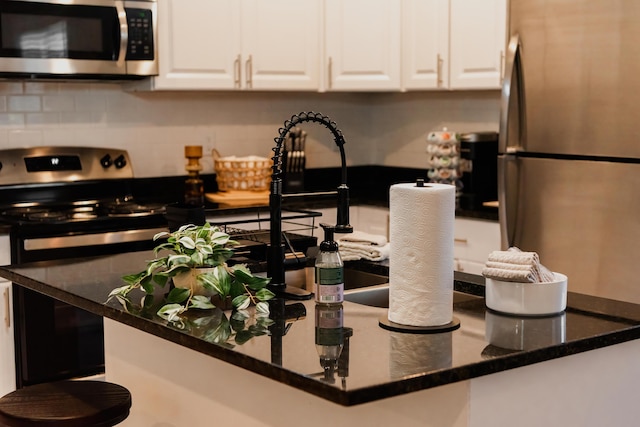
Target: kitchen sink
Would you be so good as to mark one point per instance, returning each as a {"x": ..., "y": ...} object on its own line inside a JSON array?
[
  {"x": 353, "y": 279},
  {"x": 378, "y": 296}
]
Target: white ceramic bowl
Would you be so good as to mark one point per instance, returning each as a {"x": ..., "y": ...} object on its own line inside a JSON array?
[
  {"x": 523, "y": 332},
  {"x": 527, "y": 299}
]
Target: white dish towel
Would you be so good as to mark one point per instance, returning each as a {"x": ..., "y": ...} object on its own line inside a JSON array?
[
  {"x": 361, "y": 245},
  {"x": 514, "y": 265}
]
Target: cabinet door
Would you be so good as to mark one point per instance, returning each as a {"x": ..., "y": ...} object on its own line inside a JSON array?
[
  {"x": 425, "y": 44},
  {"x": 281, "y": 44},
  {"x": 7, "y": 355},
  {"x": 199, "y": 44},
  {"x": 363, "y": 44},
  {"x": 478, "y": 39}
]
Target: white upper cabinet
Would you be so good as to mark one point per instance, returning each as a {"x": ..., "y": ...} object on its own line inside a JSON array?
[
  {"x": 239, "y": 44},
  {"x": 332, "y": 45},
  {"x": 362, "y": 44},
  {"x": 281, "y": 44},
  {"x": 425, "y": 44},
  {"x": 453, "y": 44},
  {"x": 198, "y": 44},
  {"x": 478, "y": 40}
]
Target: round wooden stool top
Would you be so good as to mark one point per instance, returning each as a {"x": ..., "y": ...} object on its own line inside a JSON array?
[{"x": 66, "y": 403}]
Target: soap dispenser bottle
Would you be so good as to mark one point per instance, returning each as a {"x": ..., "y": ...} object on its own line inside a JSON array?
[{"x": 329, "y": 271}]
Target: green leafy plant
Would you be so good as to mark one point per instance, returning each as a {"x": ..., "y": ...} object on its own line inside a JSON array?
[{"x": 197, "y": 247}]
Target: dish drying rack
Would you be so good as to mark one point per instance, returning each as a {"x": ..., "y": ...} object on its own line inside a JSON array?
[{"x": 253, "y": 238}]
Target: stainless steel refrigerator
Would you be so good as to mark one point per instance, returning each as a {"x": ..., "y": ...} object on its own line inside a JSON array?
[{"x": 569, "y": 162}]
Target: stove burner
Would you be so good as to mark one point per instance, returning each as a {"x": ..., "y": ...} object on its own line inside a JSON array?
[
  {"x": 82, "y": 210},
  {"x": 132, "y": 209}
]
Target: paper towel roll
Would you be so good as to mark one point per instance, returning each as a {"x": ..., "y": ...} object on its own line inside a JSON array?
[{"x": 421, "y": 258}]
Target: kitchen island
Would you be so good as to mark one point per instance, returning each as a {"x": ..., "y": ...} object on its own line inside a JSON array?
[{"x": 577, "y": 368}]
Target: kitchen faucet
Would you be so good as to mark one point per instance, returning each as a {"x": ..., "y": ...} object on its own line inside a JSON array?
[{"x": 276, "y": 251}]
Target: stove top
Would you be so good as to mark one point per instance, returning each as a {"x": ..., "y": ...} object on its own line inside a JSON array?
[
  {"x": 59, "y": 185},
  {"x": 80, "y": 210}
]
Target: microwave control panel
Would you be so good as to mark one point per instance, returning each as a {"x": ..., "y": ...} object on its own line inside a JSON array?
[{"x": 140, "y": 44}]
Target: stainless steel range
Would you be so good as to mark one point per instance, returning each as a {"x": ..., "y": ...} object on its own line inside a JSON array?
[{"x": 62, "y": 202}]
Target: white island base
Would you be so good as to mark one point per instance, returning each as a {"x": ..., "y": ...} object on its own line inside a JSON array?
[{"x": 173, "y": 386}]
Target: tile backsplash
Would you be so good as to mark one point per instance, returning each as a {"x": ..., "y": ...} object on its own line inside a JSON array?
[{"x": 380, "y": 128}]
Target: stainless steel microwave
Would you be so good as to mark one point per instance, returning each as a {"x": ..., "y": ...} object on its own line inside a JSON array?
[{"x": 78, "y": 38}]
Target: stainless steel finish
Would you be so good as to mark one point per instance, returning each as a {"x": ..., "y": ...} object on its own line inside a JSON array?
[
  {"x": 512, "y": 102},
  {"x": 507, "y": 198},
  {"x": 71, "y": 67},
  {"x": 145, "y": 68},
  {"x": 589, "y": 231},
  {"x": 569, "y": 169},
  {"x": 14, "y": 172},
  {"x": 124, "y": 33},
  {"x": 108, "y": 238},
  {"x": 581, "y": 65}
]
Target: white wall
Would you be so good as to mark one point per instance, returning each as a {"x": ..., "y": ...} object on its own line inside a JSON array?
[{"x": 385, "y": 129}]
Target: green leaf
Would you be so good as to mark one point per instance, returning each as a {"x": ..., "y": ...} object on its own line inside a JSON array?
[
  {"x": 121, "y": 291},
  {"x": 236, "y": 288},
  {"x": 240, "y": 315},
  {"x": 242, "y": 337},
  {"x": 201, "y": 302},
  {"x": 262, "y": 307},
  {"x": 264, "y": 294},
  {"x": 254, "y": 282},
  {"x": 133, "y": 279},
  {"x": 147, "y": 285},
  {"x": 178, "y": 295},
  {"x": 177, "y": 260},
  {"x": 161, "y": 235},
  {"x": 171, "y": 312},
  {"x": 210, "y": 281},
  {"x": 241, "y": 302},
  {"x": 225, "y": 280},
  {"x": 187, "y": 242}
]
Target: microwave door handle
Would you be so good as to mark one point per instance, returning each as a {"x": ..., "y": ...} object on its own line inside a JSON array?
[{"x": 124, "y": 33}]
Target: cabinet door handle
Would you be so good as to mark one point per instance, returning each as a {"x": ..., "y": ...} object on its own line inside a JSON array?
[
  {"x": 7, "y": 308},
  {"x": 439, "y": 71},
  {"x": 237, "y": 72},
  {"x": 460, "y": 240},
  {"x": 330, "y": 71},
  {"x": 249, "y": 72},
  {"x": 501, "y": 66}
]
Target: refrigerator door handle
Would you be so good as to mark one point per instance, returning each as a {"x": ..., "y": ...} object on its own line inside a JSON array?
[
  {"x": 512, "y": 102},
  {"x": 511, "y": 140},
  {"x": 508, "y": 196}
]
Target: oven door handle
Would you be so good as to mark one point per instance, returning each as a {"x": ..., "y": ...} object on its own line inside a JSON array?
[{"x": 124, "y": 33}]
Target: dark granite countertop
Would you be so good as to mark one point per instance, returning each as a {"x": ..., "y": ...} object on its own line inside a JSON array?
[{"x": 380, "y": 363}]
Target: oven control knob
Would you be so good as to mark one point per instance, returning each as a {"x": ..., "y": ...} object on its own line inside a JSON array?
[
  {"x": 106, "y": 161},
  {"x": 120, "y": 162}
]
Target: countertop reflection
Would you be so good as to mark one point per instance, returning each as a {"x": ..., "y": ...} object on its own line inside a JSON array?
[{"x": 375, "y": 363}]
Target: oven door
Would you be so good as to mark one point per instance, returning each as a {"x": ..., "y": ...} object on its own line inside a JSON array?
[
  {"x": 54, "y": 340},
  {"x": 78, "y": 37}
]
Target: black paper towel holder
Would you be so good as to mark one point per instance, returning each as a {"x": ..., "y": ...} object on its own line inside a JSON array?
[{"x": 387, "y": 324}]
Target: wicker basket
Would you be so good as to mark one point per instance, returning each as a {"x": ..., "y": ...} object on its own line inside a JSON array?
[{"x": 250, "y": 173}]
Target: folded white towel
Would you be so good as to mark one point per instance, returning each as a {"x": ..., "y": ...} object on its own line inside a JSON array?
[
  {"x": 360, "y": 245},
  {"x": 355, "y": 251},
  {"x": 362, "y": 237},
  {"x": 515, "y": 265}
]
